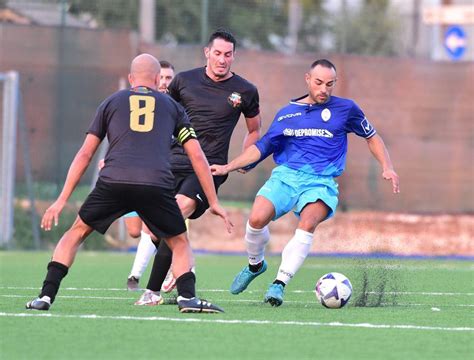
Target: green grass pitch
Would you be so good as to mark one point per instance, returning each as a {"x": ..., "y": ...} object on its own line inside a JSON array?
[{"x": 400, "y": 309}]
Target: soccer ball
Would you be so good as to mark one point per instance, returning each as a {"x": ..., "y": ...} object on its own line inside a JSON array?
[{"x": 333, "y": 290}]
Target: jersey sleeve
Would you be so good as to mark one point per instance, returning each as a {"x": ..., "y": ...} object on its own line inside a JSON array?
[
  {"x": 98, "y": 127},
  {"x": 357, "y": 123},
  {"x": 270, "y": 142},
  {"x": 173, "y": 88},
  {"x": 252, "y": 104},
  {"x": 183, "y": 131}
]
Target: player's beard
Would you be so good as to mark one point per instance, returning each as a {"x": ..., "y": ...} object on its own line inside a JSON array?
[
  {"x": 318, "y": 99},
  {"x": 220, "y": 75}
]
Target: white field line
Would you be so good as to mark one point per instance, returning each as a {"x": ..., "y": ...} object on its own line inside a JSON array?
[
  {"x": 362, "y": 265},
  {"x": 240, "y": 322},
  {"x": 253, "y": 291},
  {"x": 133, "y": 299}
]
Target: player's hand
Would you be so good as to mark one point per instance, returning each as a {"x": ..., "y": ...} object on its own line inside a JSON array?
[
  {"x": 101, "y": 164},
  {"x": 218, "y": 170},
  {"x": 52, "y": 215},
  {"x": 218, "y": 210},
  {"x": 390, "y": 174}
]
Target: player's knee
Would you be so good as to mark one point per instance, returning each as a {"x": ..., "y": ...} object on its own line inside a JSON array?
[
  {"x": 308, "y": 225},
  {"x": 257, "y": 222},
  {"x": 134, "y": 232}
]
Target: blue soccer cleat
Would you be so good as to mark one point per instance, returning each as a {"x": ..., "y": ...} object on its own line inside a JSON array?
[
  {"x": 244, "y": 278},
  {"x": 274, "y": 295}
]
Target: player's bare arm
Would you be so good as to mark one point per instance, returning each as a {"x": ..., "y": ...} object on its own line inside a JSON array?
[
  {"x": 379, "y": 151},
  {"x": 254, "y": 126},
  {"x": 249, "y": 156},
  {"x": 201, "y": 168},
  {"x": 76, "y": 170}
]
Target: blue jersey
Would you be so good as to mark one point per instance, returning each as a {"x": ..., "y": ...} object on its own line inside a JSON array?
[{"x": 313, "y": 137}]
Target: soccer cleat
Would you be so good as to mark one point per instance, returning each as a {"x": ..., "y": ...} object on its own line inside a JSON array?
[
  {"x": 170, "y": 282},
  {"x": 132, "y": 283},
  {"x": 195, "y": 305},
  {"x": 150, "y": 298},
  {"x": 43, "y": 303},
  {"x": 274, "y": 295},
  {"x": 244, "y": 278}
]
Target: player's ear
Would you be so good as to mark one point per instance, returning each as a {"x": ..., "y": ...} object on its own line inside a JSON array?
[
  {"x": 206, "y": 52},
  {"x": 130, "y": 80},
  {"x": 307, "y": 78}
]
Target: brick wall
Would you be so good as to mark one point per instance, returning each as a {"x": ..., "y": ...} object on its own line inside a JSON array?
[{"x": 423, "y": 110}]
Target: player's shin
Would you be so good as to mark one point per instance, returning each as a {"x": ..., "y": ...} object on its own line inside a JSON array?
[
  {"x": 161, "y": 265},
  {"x": 56, "y": 272},
  {"x": 293, "y": 255},
  {"x": 145, "y": 250},
  {"x": 186, "y": 285},
  {"x": 256, "y": 241}
]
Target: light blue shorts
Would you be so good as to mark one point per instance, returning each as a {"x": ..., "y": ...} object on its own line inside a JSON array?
[
  {"x": 130, "y": 214},
  {"x": 290, "y": 189}
]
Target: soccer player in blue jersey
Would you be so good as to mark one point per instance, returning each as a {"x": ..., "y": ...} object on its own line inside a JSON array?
[
  {"x": 139, "y": 123},
  {"x": 308, "y": 140}
]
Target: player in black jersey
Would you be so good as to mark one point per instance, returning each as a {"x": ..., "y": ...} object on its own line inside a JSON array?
[
  {"x": 139, "y": 124},
  {"x": 214, "y": 99}
]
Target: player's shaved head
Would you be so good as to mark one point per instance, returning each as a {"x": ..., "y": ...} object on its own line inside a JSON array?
[
  {"x": 145, "y": 65},
  {"x": 144, "y": 70}
]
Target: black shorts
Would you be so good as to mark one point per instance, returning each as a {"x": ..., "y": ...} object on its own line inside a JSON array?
[
  {"x": 187, "y": 184},
  {"x": 157, "y": 207}
]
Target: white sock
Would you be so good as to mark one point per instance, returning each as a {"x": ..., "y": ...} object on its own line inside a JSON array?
[
  {"x": 145, "y": 250},
  {"x": 256, "y": 240},
  {"x": 294, "y": 254}
]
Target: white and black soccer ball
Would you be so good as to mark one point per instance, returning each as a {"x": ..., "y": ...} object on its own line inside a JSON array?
[{"x": 333, "y": 290}]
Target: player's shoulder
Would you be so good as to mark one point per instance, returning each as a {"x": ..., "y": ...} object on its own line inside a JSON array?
[
  {"x": 236, "y": 78},
  {"x": 290, "y": 110},
  {"x": 191, "y": 74},
  {"x": 337, "y": 101},
  {"x": 113, "y": 98}
]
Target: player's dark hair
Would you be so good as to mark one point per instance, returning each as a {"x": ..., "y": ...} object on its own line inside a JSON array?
[
  {"x": 166, "y": 65},
  {"x": 222, "y": 34},
  {"x": 324, "y": 63}
]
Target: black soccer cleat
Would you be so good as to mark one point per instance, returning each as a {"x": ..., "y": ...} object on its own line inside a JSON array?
[
  {"x": 43, "y": 303},
  {"x": 195, "y": 305}
]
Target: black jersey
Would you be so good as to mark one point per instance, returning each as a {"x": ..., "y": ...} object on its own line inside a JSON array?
[
  {"x": 214, "y": 109},
  {"x": 140, "y": 124}
]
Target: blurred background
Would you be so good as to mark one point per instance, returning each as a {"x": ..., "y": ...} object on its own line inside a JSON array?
[{"x": 409, "y": 64}]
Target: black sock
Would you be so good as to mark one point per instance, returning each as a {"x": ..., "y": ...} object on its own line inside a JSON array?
[
  {"x": 255, "y": 268},
  {"x": 279, "y": 282},
  {"x": 56, "y": 272},
  {"x": 156, "y": 242},
  {"x": 186, "y": 285},
  {"x": 161, "y": 265}
]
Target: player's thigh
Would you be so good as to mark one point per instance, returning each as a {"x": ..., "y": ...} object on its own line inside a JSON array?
[
  {"x": 282, "y": 196},
  {"x": 134, "y": 225},
  {"x": 312, "y": 215},
  {"x": 262, "y": 212},
  {"x": 103, "y": 206},
  {"x": 159, "y": 211},
  {"x": 186, "y": 204}
]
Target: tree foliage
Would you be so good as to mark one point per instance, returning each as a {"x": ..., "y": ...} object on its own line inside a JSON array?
[{"x": 369, "y": 30}]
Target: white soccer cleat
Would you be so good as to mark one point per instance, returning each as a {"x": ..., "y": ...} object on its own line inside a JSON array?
[
  {"x": 150, "y": 298},
  {"x": 170, "y": 282}
]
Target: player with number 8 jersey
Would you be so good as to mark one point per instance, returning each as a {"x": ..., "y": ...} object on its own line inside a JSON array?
[{"x": 139, "y": 124}]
